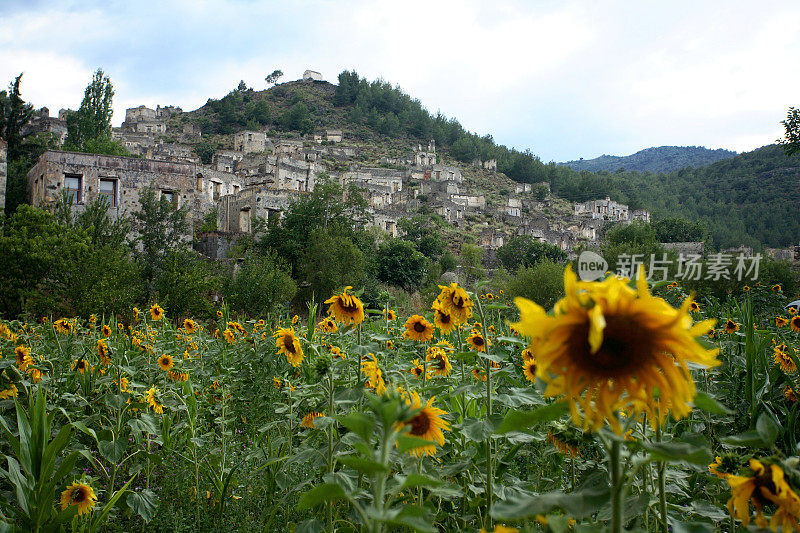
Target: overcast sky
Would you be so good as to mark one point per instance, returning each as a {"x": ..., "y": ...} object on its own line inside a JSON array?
[{"x": 564, "y": 79}]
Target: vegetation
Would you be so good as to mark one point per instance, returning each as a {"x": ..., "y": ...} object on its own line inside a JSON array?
[{"x": 656, "y": 160}]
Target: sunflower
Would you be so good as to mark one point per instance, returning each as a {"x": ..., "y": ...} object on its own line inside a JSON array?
[
  {"x": 151, "y": 398},
  {"x": 608, "y": 346},
  {"x": 789, "y": 394},
  {"x": 456, "y": 301},
  {"x": 477, "y": 341},
  {"x": 777, "y": 288},
  {"x": 730, "y": 326},
  {"x": 746, "y": 288},
  {"x": 443, "y": 320},
  {"x": 189, "y": 325},
  {"x": 102, "y": 351},
  {"x": 780, "y": 321},
  {"x": 308, "y": 419},
  {"x": 35, "y": 374},
  {"x": 527, "y": 353},
  {"x": 328, "y": 325},
  {"x": 105, "y": 331},
  {"x": 479, "y": 374},
  {"x": 439, "y": 362},
  {"x": 136, "y": 314},
  {"x": 336, "y": 352},
  {"x": 795, "y": 323},
  {"x": 79, "y": 494},
  {"x": 529, "y": 369},
  {"x": 156, "y": 313},
  {"x": 289, "y": 344},
  {"x": 219, "y": 314},
  {"x": 792, "y": 310},
  {"x": 766, "y": 485},
  {"x": 229, "y": 336},
  {"x": 418, "y": 329},
  {"x": 295, "y": 319},
  {"x": 23, "y": 355},
  {"x": 426, "y": 424},
  {"x": 389, "y": 345},
  {"x": 277, "y": 383},
  {"x": 178, "y": 376},
  {"x": 346, "y": 308},
  {"x": 389, "y": 314},
  {"x": 694, "y": 307},
  {"x": 417, "y": 370},
  {"x": 123, "y": 384},
  {"x": 783, "y": 359},
  {"x": 564, "y": 447},
  {"x": 62, "y": 325},
  {"x": 9, "y": 392},
  {"x": 374, "y": 375},
  {"x": 165, "y": 362},
  {"x": 80, "y": 365}
]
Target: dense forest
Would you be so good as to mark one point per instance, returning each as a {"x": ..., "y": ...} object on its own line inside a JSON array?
[{"x": 657, "y": 159}]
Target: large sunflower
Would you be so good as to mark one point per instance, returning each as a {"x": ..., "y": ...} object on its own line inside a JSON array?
[
  {"x": 477, "y": 342},
  {"x": 105, "y": 330},
  {"x": 165, "y": 362},
  {"x": 456, "y": 301},
  {"x": 418, "y": 329},
  {"x": 795, "y": 323},
  {"x": 609, "y": 346},
  {"x": 439, "y": 361},
  {"x": 783, "y": 359},
  {"x": 156, "y": 313},
  {"x": 442, "y": 318},
  {"x": 79, "y": 494},
  {"x": 328, "y": 325},
  {"x": 767, "y": 485},
  {"x": 346, "y": 308},
  {"x": 374, "y": 375},
  {"x": 730, "y": 326},
  {"x": 190, "y": 326},
  {"x": 426, "y": 424},
  {"x": 529, "y": 369},
  {"x": 308, "y": 419},
  {"x": 417, "y": 370},
  {"x": 23, "y": 355},
  {"x": 102, "y": 351},
  {"x": 81, "y": 365},
  {"x": 151, "y": 398},
  {"x": 287, "y": 343}
]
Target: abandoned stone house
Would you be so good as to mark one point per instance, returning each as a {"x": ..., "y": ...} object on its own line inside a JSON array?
[
  {"x": 425, "y": 158},
  {"x": 334, "y": 136},
  {"x": 288, "y": 148},
  {"x": 250, "y": 142},
  {"x": 312, "y": 75},
  {"x": 84, "y": 178},
  {"x": 180, "y": 153},
  {"x": 226, "y": 160},
  {"x": 42, "y": 122},
  {"x": 3, "y": 173},
  {"x": 237, "y": 212},
  {"x": 489, "y": 164}
]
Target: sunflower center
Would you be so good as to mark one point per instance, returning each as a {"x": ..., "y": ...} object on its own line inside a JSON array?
[
  {"x": 438, "y": 363},
  {"x": 444, "y": 318},
  {"x": 78, "y": 495},
  {"x": 420, "y": 424},
  {"x": 419, "y": 327},
  {"x": 478, "y": 341},
  {"x": 288, "y": 343},
  {"x": 626, "y": 347}
]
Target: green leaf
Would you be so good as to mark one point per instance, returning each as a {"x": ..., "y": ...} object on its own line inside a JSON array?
[
  {"x": 514, "y": 340},
  {"x": 522, "y": 420},
  {"x": 362, "y": 465},
  {"x": 692, "y": 448},
  {"x": 692, "y": 527},
  {"x": 144, "y": 503},
  {"x": 767, "y": 429},
  {"x": 358, "y": 423},
  {"x": 748, "y": 439},
  {"x": 328, "y": 492},
  {"x": 709, "y": 404},
  {"x": 576, "y": 504}
]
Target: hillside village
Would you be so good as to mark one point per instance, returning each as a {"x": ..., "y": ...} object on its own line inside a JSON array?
[{"x": 259, "y": 176}]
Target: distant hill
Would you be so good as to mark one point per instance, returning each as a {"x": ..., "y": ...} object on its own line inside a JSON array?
[{"x": 660, "y": 159}]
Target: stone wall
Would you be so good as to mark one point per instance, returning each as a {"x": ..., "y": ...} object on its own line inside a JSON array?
[
  {"x": 211, "y": 185},
  {"x": 237, "y": 213},
  {"x": 126, "y": 178},
  {"x": 250, "y": 142}
]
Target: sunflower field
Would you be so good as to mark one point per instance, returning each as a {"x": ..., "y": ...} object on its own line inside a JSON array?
[{"x": 627, "y": 406}]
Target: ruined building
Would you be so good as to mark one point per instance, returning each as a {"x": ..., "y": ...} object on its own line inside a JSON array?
[{"x": 42, "y": 122}]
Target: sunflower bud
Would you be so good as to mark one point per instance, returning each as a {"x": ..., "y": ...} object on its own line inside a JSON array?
[{"x": 322, "y": 365}]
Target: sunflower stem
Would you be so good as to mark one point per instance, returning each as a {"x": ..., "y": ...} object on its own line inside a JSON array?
[
  {"x": 662, "y": 492},
  {"x": 489, "y": 465},
  {"x": 616, "y": 487}
]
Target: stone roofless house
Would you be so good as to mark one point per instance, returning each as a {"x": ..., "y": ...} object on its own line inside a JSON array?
[{"x": 120, "y": 180}]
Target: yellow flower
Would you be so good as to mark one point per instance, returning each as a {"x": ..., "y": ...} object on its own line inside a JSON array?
[
  {"x": 308, "y": 419},
  {"x": 156, "y": 313},
  {"x": 442, "y": 318},
  {"x": 277, "y": 383},
  {"x": 609, "y": 346},
  {"x": 477, "y": 342},
  {"x": 426, "y": 424},
  {"x": 24, "y": 358},
  {"x": 417, "y": 369},
  {"x": 766, "y": 486},
  {"x": 730, "y": 326},
  {"x": 439, "y": 362},
  {"x": 789, "y": 394},
  {"x": 151, "y": 398},
  {"x": 374, "y": 375},
  {"x": 783, "y": 359},
  {"x": 792, "y": 310},
  {"x": 529, "y": 369},
  {"x": 190, "y": 326},
  {"x": 418, "y": 329},
  {"x": 336, "y": 352},
  {"x": 165, "y": 362},
  {"x": 123, "y": 384},
  {"x": 456, "y": 301},
  {"x": 62, "y": 325},
  {"x": 136, "y": 314},
  {"x": 780, "y": 321},
  {"x": 694, "y": 307},
  {"x": 80, "y": 365},
  {"x": 389, "y": 314},
  {"x": 746, "y": 288},
  {"x": 287, "y": 343},
  {"x": 177, "y": 376},
  {"x": 79, "y": 494},
  {"x": 9, "y": 392},
  {"x": 795, "y": 323},
  {"x": 229, "y": 336},
  {"x": 527, "y": 353},
  {"x": 777, "y": 288},
  {"x": 102, "y": 351},
  {"x": 328, "y": 325},
  {"x": 479, "y": 374},
  {"x": 346, "y": 308},
  {"x": 105, "y": 331},
  {"x": 295, "y": 318},
  {"x": 562, "y": 446}
]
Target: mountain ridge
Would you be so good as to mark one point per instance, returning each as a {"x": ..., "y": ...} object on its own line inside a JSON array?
[{"x": 655, "y": 159}]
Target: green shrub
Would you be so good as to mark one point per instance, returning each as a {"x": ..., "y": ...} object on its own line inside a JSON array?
[{"x": 543, "y": 283}]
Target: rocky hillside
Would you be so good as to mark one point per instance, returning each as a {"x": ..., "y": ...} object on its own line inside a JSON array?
[{"x": 660, "y": 159}]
